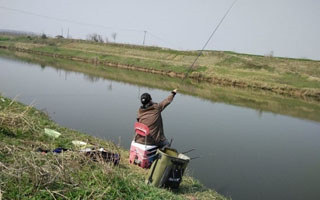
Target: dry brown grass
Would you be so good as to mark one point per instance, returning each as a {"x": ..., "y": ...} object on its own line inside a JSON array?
[
  {"x": 45, "y": 171},
  {"x": 13, "y": 117}
]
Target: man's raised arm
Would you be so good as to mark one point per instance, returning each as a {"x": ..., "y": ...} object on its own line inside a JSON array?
[{"x": 163, "y": 104}]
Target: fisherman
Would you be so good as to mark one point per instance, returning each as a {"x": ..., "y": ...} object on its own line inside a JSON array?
[{"x": 150, "y": 115}]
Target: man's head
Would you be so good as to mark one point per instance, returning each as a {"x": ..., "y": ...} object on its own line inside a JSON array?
[{"x": 145, "y": 98}]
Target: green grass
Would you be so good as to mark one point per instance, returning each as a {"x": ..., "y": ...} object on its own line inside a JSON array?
[
  {"x": 27, "y": 174},
  {"x": 298, "y": 81},
  {"x": 152, "y": 64},
  {"x": 4, "y": 38}
]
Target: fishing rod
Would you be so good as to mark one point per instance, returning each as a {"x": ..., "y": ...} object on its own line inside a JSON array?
[
  {"x": 185, "y": 152},
  {"x": 214, "y": 31}
]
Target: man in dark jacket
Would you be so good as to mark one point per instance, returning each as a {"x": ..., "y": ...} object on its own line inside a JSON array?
[{"x": 150, "y": 114}]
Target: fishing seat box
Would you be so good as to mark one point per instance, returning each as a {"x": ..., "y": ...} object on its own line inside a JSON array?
[
  {"x": 142, "y": 155},
  {"x": 167, "y": 170}
]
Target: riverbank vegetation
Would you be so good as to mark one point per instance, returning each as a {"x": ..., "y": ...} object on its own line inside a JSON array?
[
  {"x": 260, "y": 100},
  {"x": 28, "y": 174},
  {"x": 290, "y": 77}
]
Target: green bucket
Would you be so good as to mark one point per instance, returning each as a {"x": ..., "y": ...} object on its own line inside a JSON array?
[{"x": 167, "y": 170}]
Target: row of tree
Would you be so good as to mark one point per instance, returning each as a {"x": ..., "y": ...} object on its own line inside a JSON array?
[{"x": 98, "y": 38}]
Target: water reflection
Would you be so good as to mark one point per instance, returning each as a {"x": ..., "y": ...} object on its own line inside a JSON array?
[
  {"x": 110, "y": 86},
  {"x": 91, "y": 78},
  {"x": 42, "y": 66}
]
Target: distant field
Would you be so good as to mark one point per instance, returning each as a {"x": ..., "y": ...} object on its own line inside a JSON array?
[{"x": 295, "y": 77}]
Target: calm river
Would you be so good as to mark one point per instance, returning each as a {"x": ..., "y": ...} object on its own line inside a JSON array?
[{"x": 245, "y": 153}]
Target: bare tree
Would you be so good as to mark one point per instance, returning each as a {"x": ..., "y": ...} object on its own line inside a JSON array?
[
  {"x": 114, "y": 36},
  {"x": 95, "y": 37},
  {"x": 44, "y": 36},
  {"x": 100, "y": 39},
  {"x": 270, "y": 54},
  {"x": 92, "y": 37}
]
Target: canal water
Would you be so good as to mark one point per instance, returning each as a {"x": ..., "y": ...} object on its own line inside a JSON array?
[{"x": 244, "y": 153}]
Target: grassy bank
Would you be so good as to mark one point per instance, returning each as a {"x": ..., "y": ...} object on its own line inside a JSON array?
[
  {"x": 256, "y": 99},
  {"x": 27, "y": 174},
  {"x": 294, "y": 77}
]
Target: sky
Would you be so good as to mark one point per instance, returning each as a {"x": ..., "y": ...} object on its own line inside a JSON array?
[{"x": 288, "y": 28}]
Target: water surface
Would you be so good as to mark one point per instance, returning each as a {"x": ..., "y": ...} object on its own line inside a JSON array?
[{"x": 245, "y": 153}]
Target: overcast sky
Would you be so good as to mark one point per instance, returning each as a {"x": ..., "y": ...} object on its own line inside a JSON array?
[{"x": 289, "y": 28}]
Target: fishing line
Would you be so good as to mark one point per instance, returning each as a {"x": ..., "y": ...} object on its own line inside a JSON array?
[{"x": 214, "y": 31}]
